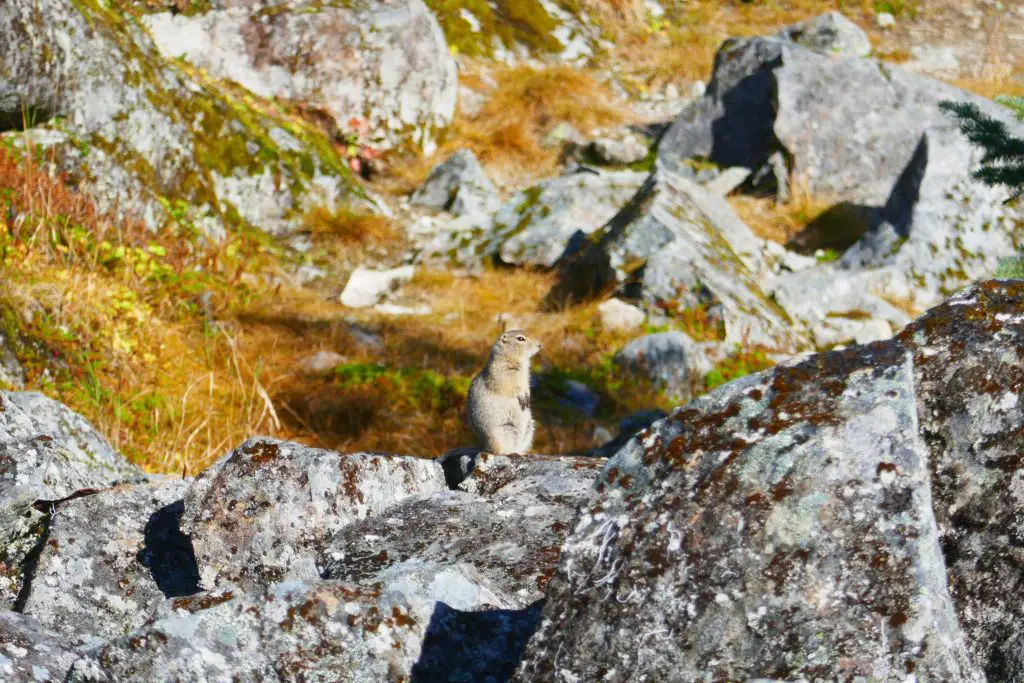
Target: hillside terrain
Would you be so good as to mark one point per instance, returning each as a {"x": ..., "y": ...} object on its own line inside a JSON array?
[{"x": 254, "y": 251}]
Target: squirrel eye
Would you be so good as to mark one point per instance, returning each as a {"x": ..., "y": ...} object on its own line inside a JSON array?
[{"x": 521, "y": 338}]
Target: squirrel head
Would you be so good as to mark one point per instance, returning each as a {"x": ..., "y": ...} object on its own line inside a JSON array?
[{"x": 516, "y": 344}]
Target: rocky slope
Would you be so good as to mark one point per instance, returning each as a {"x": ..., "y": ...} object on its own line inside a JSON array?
[{"x": 848, "y": 514}]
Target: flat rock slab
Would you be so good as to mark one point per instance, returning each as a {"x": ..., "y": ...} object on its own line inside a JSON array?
[
  {"x": 511, "y": 532},
  {"x": 263, "y": 512},
  {"x": 31, "y": 652},
  {"x": 317, "y": 631}
]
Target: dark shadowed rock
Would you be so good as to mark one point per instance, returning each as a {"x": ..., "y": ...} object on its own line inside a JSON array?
[
  {"x": 109, "y": 559},
  {"x": 459, "y": 185},
  {"x": 628, "y": 428},
  {"x": 47, "y": 453},
  {"x": 853, "y": 514},
  {"x": 31, "y": 652},
  {"x": 261, "y": 513},
  {"x": 676, "y": 246}
]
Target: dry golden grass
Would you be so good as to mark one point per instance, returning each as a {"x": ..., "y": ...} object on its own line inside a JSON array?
[
  {"x": 180, "y": 355},
  {"x": 522, "y": 105},
  {"x": 780, "y": 221},
  {"x": 349, "y": 226},
  {"x": 680, "y": 47}
]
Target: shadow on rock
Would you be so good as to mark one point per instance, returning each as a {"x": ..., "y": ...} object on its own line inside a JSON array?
[
  {"x": 837, "y": 228},
  {"x": 168, "y": 553},
  {"x": 475, "y": 646}
]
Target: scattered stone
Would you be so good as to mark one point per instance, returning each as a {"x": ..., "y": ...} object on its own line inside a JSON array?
[
  {"x": 321, "y": 362},
  {"x": 885, "y": 20},
  {"x": 942, "y": 60},
  {"x": 459, "y": 185},
  {"x": 109, "y": 559},
  {"x": 671, "y": 360},
  {"x": 562, "y": 134},
  {"x": 830, "y": 33},
  {"x": 616, "y": 314},
  {"x": 537, "y": 226},
  {"x": 368, "y": 287},
  {"x": 680, "y": 247},
  {"x": 837, "y": 305},
  {"x": 272, "y": 505},
  {"x": 629, "y": 149}
]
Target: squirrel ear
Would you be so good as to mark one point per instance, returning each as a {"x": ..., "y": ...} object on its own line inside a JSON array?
[{"x": 502, "y": 323}]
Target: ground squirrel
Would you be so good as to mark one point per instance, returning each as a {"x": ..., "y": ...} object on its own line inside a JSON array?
[{"x": 499, "y": 397}]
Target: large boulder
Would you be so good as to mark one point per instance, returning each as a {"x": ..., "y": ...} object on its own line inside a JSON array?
[
  {"x": 445, "y": 585},
  {"x": 870, "y": 137},
  {"x": 677, "y": 247},
  {"x": 385, "y": 63},
  {"x": 849, "y": 127},
  {"x": 47, "y": 454},
  {"x": 149, "y": 137},
  {"x": 850, "y": 514},
  {"x": 262, "y": 513},
  {"x": 110, "y": 559}
]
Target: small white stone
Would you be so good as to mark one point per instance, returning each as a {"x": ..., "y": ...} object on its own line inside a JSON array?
[
  {"x": 619, "y": 315},
  {"x": 885, "y": 20},
  {"x": 368, "y": 287}
]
